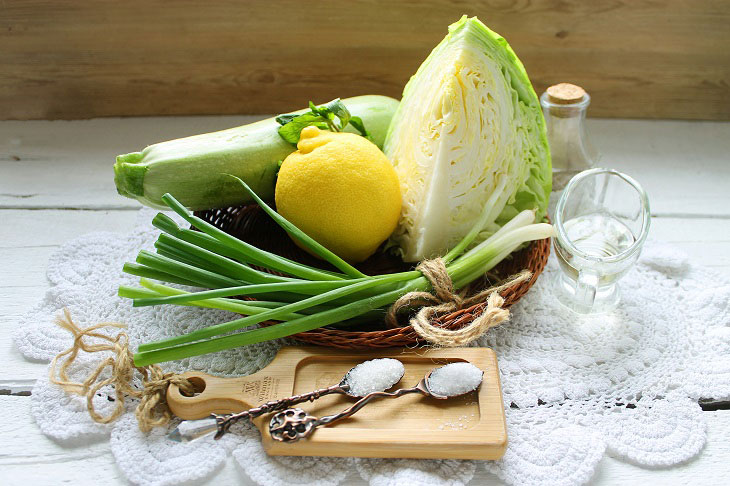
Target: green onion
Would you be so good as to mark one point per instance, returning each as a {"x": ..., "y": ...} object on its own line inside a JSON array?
[
  {"x": 311, "y": 298},
  {"x": 147, "y": 272},
  {"x": 249, "y": 307},
  {"x": 309, "y": 288},
  {"x": 238, "y": 307},
  {"x": 272, "y": 314},
  {"x": 234, "y": 269},
  {"x": 260, "y": 257},
  {"x": 183, "y": 270},
  {"x": 143, "y": 358},
  {"x": 207, "y": 242}
]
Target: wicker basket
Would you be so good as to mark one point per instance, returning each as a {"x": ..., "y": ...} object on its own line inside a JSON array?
[{"x": 251, "y": 224}]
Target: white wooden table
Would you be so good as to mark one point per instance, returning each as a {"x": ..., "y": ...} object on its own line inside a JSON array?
[{"x": 56, "y": 183}]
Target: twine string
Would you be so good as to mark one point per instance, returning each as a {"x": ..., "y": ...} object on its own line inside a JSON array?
[
  {"x": 444, "y": 300},
  {"x": 151, "y": 411}
]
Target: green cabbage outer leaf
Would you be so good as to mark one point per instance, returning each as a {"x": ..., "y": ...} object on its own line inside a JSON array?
[{"x": 469, "y": 136}]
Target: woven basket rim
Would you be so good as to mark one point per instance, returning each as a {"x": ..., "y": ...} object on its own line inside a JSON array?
[{"x": 249, "y": 223}]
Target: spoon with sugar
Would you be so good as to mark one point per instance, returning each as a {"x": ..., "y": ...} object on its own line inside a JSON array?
[
  {"x": 448, "y": 381},
  {"x": 375, "y": 375}
]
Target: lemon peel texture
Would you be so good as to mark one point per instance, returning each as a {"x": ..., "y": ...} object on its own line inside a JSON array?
[{"x": 341, "y": 190}]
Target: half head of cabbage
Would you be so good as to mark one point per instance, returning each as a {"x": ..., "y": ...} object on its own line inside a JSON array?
[{"x": 468, "y": 142}]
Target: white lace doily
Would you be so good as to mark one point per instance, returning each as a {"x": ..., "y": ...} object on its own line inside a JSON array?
[{"x": 624, "y": 383}]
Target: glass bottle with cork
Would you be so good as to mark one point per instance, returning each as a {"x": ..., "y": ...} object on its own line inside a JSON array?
[{"x": 564, "y": 106}]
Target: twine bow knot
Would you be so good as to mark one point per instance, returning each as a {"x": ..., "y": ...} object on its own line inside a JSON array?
[
  {"x": 443, "y": 300},
  {"x": 151, "y": 410}
]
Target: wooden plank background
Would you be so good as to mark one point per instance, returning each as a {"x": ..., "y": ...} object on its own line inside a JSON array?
[{"x": 82, "y": 59}]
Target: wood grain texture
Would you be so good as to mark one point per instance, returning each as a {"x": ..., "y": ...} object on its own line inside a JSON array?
[
  {"x": 76, "y": 59},
  {"x": 471, "y": 426},
  {"x": 44, "y": 165}
]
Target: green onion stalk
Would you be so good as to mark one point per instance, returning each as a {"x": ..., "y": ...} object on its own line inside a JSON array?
[{"x": 305, "y": 299}]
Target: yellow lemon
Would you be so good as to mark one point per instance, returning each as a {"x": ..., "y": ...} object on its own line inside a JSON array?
[{"x": 341, "y": 190}]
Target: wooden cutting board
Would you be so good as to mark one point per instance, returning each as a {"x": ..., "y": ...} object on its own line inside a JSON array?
[{"x": 413, "y": 426}]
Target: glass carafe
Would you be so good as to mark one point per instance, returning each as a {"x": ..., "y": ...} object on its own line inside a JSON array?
[{"x": 601, "y": 222}]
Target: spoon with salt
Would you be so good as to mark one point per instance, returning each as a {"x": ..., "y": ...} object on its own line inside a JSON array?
[
  {"x": 448, "y": 381},
  {"x": 367, "y": 377}
]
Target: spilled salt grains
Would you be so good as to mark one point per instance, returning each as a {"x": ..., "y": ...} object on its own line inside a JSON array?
[
  {"x": 454, "y": 379},
  {"x": 374, "y": 375},
  {"x": 464, "y": 422}
]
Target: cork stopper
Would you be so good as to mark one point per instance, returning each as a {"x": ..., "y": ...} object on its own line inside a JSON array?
[{"x": 565, "y": 94}]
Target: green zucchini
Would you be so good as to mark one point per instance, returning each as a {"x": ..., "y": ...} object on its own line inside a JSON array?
[{"x": 193, "y": 169}]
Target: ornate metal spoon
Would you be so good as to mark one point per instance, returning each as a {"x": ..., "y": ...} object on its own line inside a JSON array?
[
  {"x": 368, "y": 376},
  {"x": 447, "y": 381}
]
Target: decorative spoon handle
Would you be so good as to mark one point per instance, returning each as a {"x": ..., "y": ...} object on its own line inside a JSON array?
[
  {"x": 294, "y": 424},
  {"x": 224, "y": 422},
  {"x": 329, "y": 419}
]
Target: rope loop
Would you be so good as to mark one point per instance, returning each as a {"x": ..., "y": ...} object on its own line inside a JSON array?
[
  {"x": 151, "y": 411},
  {"x": 443, "y": 300}
]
